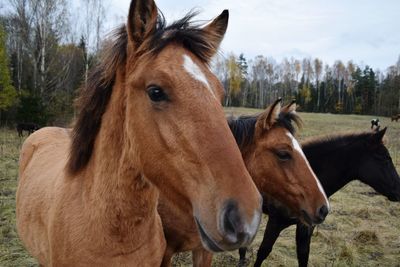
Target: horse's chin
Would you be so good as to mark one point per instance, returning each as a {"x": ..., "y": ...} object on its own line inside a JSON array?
[
  {"x": 306, "y": 219},
  {"x": 206, "y": 240}
]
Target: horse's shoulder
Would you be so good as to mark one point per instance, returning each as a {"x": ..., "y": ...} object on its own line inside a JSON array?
[{"x": 47, "y": 135}]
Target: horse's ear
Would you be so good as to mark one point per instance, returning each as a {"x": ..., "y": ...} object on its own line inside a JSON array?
[
  {"x": 267, "y": 119},
  {"x": 214, "y": 32},
  {"x": 378, "y": 137},
  {"x": 290, "y": 107},
  {"x": 379, "y": 134},
  {"x": 142, "y": 21}
]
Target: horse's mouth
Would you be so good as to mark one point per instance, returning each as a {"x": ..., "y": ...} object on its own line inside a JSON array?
[
  {"x": 207, "y": 241},
  {"x": 306, "y": 218}
]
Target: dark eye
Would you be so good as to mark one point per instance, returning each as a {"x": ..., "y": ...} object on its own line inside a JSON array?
[
  {"x": 283, "y": 155},
  {"x": 157, "y": 94}
]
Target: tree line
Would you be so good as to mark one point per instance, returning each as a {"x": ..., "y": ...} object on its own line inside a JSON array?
[
  {"x": 46, "y": 51},
  {"x": 339, "y": 88}
]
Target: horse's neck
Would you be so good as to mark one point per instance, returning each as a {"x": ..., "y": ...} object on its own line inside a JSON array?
[
  {"x": 333, "y": 171},
  {"x": 121, "y": 193}
]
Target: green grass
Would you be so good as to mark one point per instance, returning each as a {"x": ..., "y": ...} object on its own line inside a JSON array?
[
  {"x": 12, "y": 253},
  {"x": 361, "y": 230}
]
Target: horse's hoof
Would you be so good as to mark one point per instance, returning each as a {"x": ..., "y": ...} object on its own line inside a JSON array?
[{"x": 243, "y": 263}]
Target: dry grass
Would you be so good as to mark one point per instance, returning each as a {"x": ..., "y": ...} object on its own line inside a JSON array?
[{"x": 362, "y": 229}]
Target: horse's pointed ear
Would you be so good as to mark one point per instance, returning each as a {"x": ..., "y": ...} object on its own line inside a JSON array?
[
  {"x": 266, "y": 119},
  {"x": 215, "y": 32},
  {"x": 380, "y": 133},
  {"x": 378, "y": 136},
  {"x": 290, "y": 107},
  {"x": 142, "y": 21}
]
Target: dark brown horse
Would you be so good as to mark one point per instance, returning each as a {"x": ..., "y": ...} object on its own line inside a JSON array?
[
  {"x": 277, "y": 166},
  {"x": 395, "y": 117},
  {"x": 29, "y": 127},
  {"x": 150, "y": 119},
  {"x": 337, "y": 160}
]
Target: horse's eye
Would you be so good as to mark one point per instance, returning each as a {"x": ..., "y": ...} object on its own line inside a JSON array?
[
  {"x": 283, "y": 155},
  {"x": 156, "y": 94}
]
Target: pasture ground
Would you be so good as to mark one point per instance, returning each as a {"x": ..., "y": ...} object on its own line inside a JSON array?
[{"x": 362, "y": 229}]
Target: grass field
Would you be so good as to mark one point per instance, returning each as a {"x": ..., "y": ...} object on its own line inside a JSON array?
[{"x": 361, "y": 230}]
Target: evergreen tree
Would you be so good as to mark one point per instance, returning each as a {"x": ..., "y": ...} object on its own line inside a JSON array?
[{"x": 8, "y": 94}]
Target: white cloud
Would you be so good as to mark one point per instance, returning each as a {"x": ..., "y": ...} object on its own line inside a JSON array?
[{"x": 362, "y": 30}]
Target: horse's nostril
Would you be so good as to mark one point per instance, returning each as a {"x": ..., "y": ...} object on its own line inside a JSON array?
[
  {"x": 232, "y": 225},
  {"x": 231, "y": 219},
  {"x": 323, "y": 212}
]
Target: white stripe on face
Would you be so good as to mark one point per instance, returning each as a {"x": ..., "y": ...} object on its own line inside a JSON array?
[
  {"x": 194, "y": 70},
  {"x": 297, "y": 147}
]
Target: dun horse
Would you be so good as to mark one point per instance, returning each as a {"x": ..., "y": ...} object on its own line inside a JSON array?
[
  {"x": 337, "y": 160},
  {"x": 277, "y": 166},
  {"x": 150, "y": 119}
]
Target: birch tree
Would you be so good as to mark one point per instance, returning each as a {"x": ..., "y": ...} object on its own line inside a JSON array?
[
  {"x": 318, "y": 71},
  {"x": 92, "y": 26}
]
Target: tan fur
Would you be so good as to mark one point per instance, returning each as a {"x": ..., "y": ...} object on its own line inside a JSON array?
[
  {"x": 291, "y": 183},
  {"x": 103, "y": 212}
]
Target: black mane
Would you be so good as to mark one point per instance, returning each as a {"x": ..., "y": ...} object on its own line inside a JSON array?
[
  {"x": 243, "y": 127},
  {"x": 186, "y": 32}
]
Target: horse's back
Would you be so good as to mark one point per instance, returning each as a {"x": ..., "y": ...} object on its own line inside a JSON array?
[{"x": 42, "y": 162}]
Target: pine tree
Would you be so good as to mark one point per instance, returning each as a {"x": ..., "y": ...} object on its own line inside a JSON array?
[{"x": 8, "y": 94}]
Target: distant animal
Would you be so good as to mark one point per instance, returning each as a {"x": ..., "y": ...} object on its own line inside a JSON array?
[
  {"x": 375, "y": 124},
  {"x": 395, "y": 117},
  {"x": 29, "y": 127},
  {"x": 336, "y": 160},
  {"x": 277, "y": 166},
  {"x": 150, "y": 122}
]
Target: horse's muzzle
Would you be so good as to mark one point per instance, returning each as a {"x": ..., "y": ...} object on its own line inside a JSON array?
[{"x": 234, "y": 231}]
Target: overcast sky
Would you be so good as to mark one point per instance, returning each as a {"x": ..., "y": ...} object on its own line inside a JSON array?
[{"x": 366, "y": 31}]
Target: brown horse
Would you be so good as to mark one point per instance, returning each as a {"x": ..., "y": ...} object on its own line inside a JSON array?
[
  {"x": 150, "y": 119},
  {"x": 395, "y": 117},
  {"x": 278, "y": 167}
]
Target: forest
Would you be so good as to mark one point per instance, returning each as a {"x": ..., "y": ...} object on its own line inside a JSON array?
[{"x": 47, "y": 49}]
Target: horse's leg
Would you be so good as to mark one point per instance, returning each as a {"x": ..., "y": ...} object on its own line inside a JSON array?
[
  {"x": 303, "y": 240},
  {"x": 242, "y": 255},
  {"x": 166, "y": 261},
  {"x": 201, "y": 258},
  {"x": 274, "y": 227}
]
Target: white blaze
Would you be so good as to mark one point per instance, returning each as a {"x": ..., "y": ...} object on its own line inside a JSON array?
[
  {"x": 297, "y": 147},
  {"x": 194, "y": 70}
]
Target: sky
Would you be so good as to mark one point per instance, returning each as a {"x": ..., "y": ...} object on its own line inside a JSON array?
[{"x": 365, "y": 31}]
